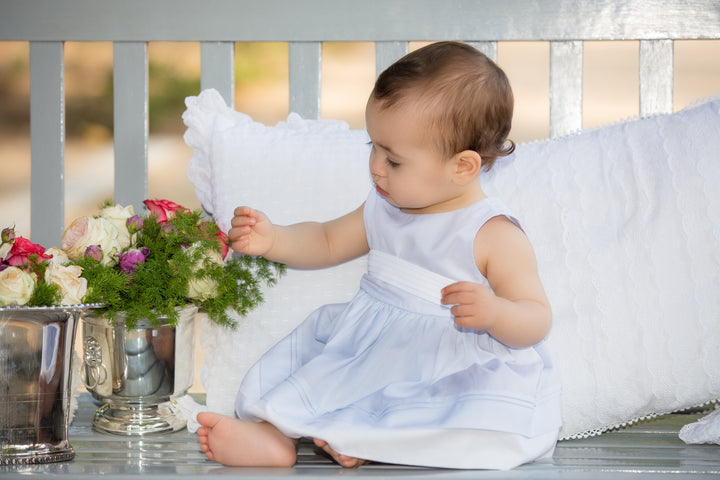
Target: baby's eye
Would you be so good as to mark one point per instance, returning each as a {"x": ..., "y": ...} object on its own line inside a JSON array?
[{"x": 391, "y": 163}]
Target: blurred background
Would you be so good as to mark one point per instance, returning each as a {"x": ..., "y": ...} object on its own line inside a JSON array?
[
  {"x": 610, "y": 78},
  {"x": 610, "y": 84}
]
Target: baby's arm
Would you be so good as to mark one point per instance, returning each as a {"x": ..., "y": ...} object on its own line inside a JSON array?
[
  {"x": 302, "y": 245},
  {"x": 518, "y": 313}
]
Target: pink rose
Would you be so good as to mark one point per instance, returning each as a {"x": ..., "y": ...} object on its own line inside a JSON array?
[
  {"x": 134, "y": 224},
  {"x": 94, "y": 252},
  {"x": 130, "y": 260},
  {"x": 163, "y": 209},
  {"x": 7, "y": 235},
  {"x": 24, "y": 251}
]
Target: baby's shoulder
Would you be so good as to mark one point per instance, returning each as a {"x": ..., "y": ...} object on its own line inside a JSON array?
[{"x": 499, "y": 235}]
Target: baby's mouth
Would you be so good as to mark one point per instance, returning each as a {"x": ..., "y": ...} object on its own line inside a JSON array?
[{"x": 381, "y": 191}]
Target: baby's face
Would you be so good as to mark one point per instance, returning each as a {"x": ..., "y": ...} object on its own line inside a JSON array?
[{"x": 408, "y": 169}]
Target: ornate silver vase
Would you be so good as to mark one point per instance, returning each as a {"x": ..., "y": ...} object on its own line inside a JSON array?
[
  {"x": 36, "y": 346},
  {"x": 136, "y": 373}
]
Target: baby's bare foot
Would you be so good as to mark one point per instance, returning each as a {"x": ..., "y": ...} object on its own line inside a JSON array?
[
  {"x": 236, "y": 442},
  {"x": 343, "y": 460}
]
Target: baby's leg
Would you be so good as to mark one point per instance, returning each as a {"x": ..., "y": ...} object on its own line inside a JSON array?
[
  {"x": 343, "y": 460},
  {"x": 242, "y": 443}
]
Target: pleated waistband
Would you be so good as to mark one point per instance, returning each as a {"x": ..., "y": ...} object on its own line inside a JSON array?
[{"x": 407, "y": 276}]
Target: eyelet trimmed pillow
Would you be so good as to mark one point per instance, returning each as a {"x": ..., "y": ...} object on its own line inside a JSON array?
[{"x": 624, "y": 221}]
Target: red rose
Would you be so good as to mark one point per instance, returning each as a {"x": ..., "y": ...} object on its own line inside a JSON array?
[
  {"x": 224, "y": 243},
  {"x": 222, "y": 239},
  {"x": 22, "y": 250},
  {"x": 163, "y": 209}
]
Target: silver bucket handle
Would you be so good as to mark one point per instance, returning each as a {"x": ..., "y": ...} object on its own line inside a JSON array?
[{"x": 92, "y": 361}]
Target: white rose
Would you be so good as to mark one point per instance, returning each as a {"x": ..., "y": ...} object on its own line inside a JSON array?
[
  {"x": 58, "y": 256},
  {"x": 86, "y": 231},
  {"x": 72, "y": 286},
  {"x": 16, "y": 286},
  {"x": 119, "y": 215}
]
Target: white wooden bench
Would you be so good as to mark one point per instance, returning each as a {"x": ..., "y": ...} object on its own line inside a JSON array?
[
  {"x": 647, "y": 449},
  {"x": 217, "y": 24}
]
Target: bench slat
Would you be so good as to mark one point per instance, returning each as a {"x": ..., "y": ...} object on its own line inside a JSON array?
[
  {"x": 218, "y": 68},
  {"x": 656, "y": 76},
  {"x": 386, "y": 53},
  {"x": 350, "y": 20},
  {"x": 47, "y": 129},
  {"x": 130, "y": 107},
  {"x": 488, "y": 48},
  {"x": 566, "y": 68},
  {"x": 304, "y": 77}
]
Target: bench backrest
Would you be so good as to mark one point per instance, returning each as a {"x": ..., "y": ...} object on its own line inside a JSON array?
[{"x": 218, "y": 24}]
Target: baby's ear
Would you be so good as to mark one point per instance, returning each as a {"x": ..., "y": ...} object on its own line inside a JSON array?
[{"x": 467, "y": 166}]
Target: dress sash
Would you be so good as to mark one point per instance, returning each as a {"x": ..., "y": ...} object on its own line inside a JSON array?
[{"x": 407, "y": 276}]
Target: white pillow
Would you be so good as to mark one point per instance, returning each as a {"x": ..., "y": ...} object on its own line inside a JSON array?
[
  {"x": 623, "y": 218},
  {"x": 625, "y": 221}
]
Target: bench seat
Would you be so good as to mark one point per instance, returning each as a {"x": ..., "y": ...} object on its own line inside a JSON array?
[{"x": 648, "y": 449}]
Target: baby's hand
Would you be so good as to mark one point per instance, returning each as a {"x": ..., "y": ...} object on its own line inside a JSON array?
[
  {"x": 251, "y": 233},
  {"x": 473, "y": 304}
]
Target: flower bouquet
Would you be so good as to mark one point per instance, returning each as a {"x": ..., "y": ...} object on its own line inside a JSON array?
[
  {"x": 145, "y": 278},
  {"x": 143, "y": 266},
  {"x": 34, "y": 277}
]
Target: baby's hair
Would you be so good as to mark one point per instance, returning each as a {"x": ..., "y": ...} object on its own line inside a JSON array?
[{"x": 466, "y": 97}]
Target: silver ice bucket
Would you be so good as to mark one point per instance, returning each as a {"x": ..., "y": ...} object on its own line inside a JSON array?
[
  {"x": 137, "y": 372},
  {"x": 36, "y": 346}
]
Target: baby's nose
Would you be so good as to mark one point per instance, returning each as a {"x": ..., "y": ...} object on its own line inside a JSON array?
[{"x": 376, "y": 168}]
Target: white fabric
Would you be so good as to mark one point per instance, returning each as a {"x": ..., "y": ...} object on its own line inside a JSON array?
[
  {"x": 500, "y": 450},
  {"x": 189, "y": 410},
  {"x": 624, "y": 220},
  {"x": 408, "y": 276},
  {"x": 705, "y": 430}
]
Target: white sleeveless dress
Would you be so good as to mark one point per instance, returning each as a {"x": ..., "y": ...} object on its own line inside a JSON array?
[{"x": 389, "y": 377}]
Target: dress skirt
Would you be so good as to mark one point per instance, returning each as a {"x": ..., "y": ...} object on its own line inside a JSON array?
[{"x": 389, "y": 377}]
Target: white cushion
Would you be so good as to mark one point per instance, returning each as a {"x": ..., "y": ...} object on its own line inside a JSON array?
[{"x": 624, "y": 220}]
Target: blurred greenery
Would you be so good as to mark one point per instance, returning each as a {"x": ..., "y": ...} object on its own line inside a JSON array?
[
  {"x": 89, "y": 110},
  {"x": 168, "y": 88},
  {"x": 259, "y": 62}
]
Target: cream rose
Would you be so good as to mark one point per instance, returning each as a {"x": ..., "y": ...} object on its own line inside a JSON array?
[
  {"x": 58, "y": 256},
  {"x": 86, "y": 231},
  {"x": 119, "y": 215},
  {"x": 72, "y": 286},
  {"x": 203, "y": 288},
  {"x": 5, "y": 249},
  {"x": 16, "y": 286}
]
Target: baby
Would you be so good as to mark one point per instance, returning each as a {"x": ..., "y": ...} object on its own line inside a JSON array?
[{"x": 439, "y": 360}]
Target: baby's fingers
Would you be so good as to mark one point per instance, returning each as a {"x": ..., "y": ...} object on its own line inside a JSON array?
[
  {"x": 244, "y": 216},
  {"x": 457, "y": 293},
  {"x": 243, "y": 211}
]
